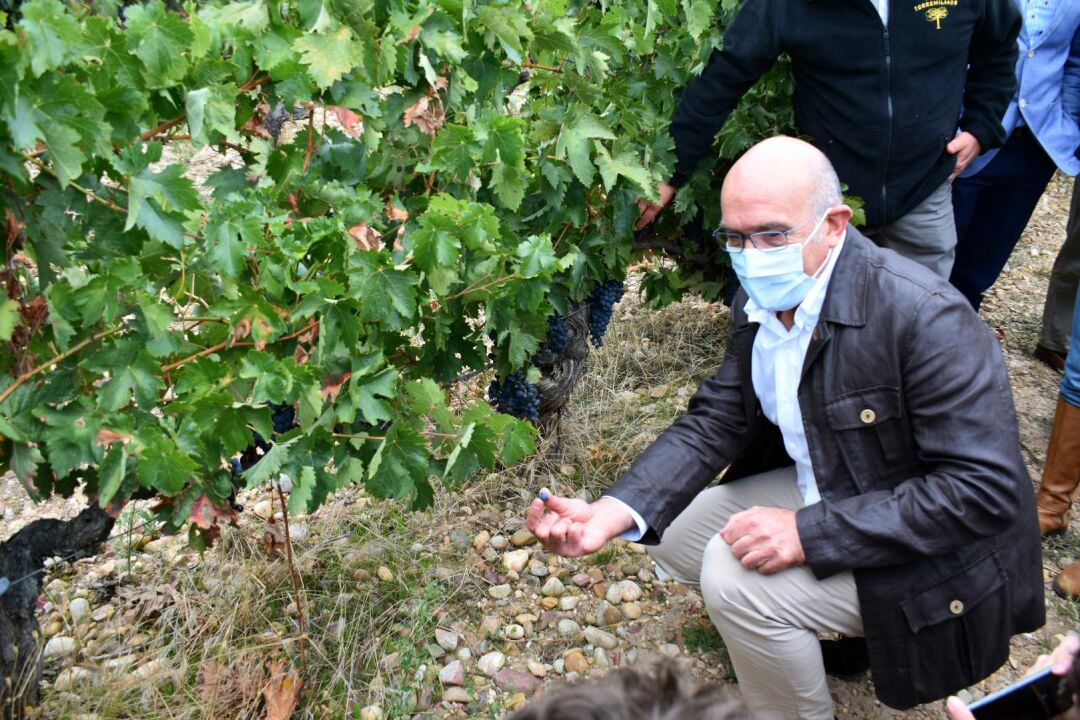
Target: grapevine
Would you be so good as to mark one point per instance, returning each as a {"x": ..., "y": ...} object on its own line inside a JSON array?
[{"x": 558, "y": 335}]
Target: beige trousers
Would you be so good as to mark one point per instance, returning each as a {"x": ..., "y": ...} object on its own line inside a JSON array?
[{"x": 769, "y": 622}]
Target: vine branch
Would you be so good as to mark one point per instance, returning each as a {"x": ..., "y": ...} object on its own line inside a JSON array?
[{"x": 55, "y": 359}]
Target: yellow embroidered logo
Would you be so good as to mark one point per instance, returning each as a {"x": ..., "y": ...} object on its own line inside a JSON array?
[{"x": 936, "y": 10}]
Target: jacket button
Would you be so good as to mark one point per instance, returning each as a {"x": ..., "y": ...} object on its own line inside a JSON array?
[
  {"x": 956, "y": 607},
  {"x": 1031, "y": 53},
  {"x": 868, "y": 416}
]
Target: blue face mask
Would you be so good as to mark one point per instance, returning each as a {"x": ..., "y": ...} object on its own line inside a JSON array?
[{"x": 774, "y": 279}]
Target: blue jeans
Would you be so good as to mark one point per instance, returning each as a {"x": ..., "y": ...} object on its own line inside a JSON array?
[
  {"x": 1070, "y": 384},
  {"x": 992, "y": 208}
]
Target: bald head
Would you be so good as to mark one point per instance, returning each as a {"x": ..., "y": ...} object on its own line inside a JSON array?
[
  {"x": 786, "y": 184},
  {"x": 793, "y": 173}
]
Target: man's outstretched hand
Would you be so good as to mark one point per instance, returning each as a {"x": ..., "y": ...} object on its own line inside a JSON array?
[
  {"x": 649, "y": 210},
  {"x": 573, "y": 528}
]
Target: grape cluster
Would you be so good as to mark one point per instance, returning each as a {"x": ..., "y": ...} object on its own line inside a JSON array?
[
  {"x": 558, "y": 335},
  {"x": 284, "y": 419},
  {"x": 601, "y": 302},
  {"x": 516, "y": 396}
]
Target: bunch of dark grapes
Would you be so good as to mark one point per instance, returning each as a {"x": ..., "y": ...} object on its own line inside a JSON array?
[
  {"x": 516, "y": 396},
  {"x": 284, "y": 418},
  {"x": 601, "y": 302},
  {"x": 558, "y": 335}
]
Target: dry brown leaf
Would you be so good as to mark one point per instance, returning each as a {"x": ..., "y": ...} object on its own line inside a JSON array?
[
  {"x": 426, "y": 114},
  {"x": 242, "y": 330},
  {"x": 332, "y": 387},
  {"x": 395, "y": 213},
  {"x": 107, "y": 437},
  {"x": 367, "y": 238},
  {"x": 281, "y": 693},
  {"x": 213, "y": 682},
  {"x": 209, "y": 516},
  {"x": 273, "y": 539},
  {"x": 414, "y": 32},
  {"x": 352, "y": 123}
]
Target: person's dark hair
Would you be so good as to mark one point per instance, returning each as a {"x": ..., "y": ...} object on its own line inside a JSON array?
[
  {"x": 1073, "y": 679},
  {"x": 631, "y": 695}
]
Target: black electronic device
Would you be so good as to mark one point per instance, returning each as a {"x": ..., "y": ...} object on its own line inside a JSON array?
[{"x": 1037, "y": 697}]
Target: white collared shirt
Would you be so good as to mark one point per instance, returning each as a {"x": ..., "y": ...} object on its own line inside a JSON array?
[
  {"x": 882, "y": 7},
  {"x": 776, "y": 368}
]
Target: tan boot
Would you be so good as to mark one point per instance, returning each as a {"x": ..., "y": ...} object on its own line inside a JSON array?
[
  {"x": 1061, "y": 473},
  {"x": 1067, "y": 584}
]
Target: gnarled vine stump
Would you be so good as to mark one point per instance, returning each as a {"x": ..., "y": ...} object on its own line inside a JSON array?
[
  {"x": 22, "y": 558},
  {"x": 560, "y": 374}
]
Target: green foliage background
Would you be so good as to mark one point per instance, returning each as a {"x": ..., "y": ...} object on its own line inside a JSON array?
[{"x": 355, "y": 270}]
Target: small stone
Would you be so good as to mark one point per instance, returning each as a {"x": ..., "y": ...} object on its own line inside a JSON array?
[
  {"x": 391, "y": 661},
  {"x": 513, "y": 632},
  {"x": 539, "y": 570},
  {"x": 522, "y": 538},
  {"x": 435, "y": 651},
  {"x": 80, "y": 609},
  {"x": 630, "y": 568},
  {"x": 384, "y": 573},
  {"x": 559, "y": 666},
  {"x": 447, "y": 640},
  {"x": 72, "y": 677},
  {"x": 601, "y": 638},
  {"x": 575, "y": 662},
  {"x": 498, "y": 542},
  {"x": 464, "y": 654},
  {"x": 662, "y": 574},
  {"x": 53, "y": 628},
  {"x": 596, "y": 574},
  {"x": 480, "y": 540},
  {"x": 635, "y": 547},
  {"x": 670, "y": 649},
  {"x": 568, "y": 628},
  {"x": 553, "y": 588},
  {"x": 61, "y": 646},
  {"x": 371, "y": 712},
  {"x": 452, "y": 674},
  {"x": 582, "y": 580},
  {"x": 516, "y": 560},
  {"x": 148, "y": 670},
  {"x": 569, "y": 602},
  {"x": 361, "y": 574},
  {"x": 264, "y": 509},
  {"x": 499, "y": 592},
  {"x": 509, "y": 680},
  {"x": 549, "y": 603},
  {"x": 103, "y": 613},
  {"x": 623, "y": 591},
  {"x": 459, "y": 538},
  {"x": 607, "y": 614},
  {"x": 455, "y": 695},
  {"x": 120, "y": 664},
  {"x": 600, "y": 658},
  {"x": 537, "y": 668},
  {"x": 491, "y": 663},
  {"x": 631, "y": 610}
]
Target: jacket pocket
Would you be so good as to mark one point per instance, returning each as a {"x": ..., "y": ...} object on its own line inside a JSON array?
[
  {"x": 869, "y": 428},
  {"x": 950, "y": 621}
]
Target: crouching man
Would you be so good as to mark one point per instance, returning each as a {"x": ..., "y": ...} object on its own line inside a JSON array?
[{"x": 874, "y": 484}]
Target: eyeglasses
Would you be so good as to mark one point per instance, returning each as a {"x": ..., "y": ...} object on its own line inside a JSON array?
[{"x": 763, "y": 240}]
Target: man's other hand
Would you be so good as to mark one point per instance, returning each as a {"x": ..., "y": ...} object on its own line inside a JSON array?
[
  {"x": 765, "y": 539},
  {"x": 573, "y": 528},
  {"x": 966, "y": 148},
  {"x": 649, "y": 210}
]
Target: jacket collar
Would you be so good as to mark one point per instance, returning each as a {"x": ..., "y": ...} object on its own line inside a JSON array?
[{"x": 845, "y": 301}]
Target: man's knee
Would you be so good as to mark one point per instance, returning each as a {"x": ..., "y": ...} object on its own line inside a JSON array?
[{"x": 722, "y": 575}]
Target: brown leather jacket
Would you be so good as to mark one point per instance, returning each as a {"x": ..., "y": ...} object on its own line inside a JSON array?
[{"x": 913, "y": 437}]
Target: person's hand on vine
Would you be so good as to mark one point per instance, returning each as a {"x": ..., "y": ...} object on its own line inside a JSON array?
[{"x": 649, "y": 210}]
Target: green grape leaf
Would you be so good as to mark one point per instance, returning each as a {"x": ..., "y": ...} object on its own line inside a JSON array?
[
  {"x": 54, "y": 36},
  {"x": 162, "y": 466},
  {"x": 329, "y": 56},
  {"x": 269, "y": 465},
  {"x": 159, "y": 38},
  {"x": 9, "y": 318},
  {"x": 156, "y": 202},
  {"x": 211, "y": 109},
  {"x": 576, "y": 140},
  {"x": 111, "y": 473},
  {"x": 387, "y": 295}
]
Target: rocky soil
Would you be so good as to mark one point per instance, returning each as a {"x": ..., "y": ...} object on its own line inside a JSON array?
[{"x": 457, "y": 612}]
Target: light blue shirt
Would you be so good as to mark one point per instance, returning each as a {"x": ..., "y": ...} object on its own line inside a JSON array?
[
  {"x": 1047, "y": 98},
  {"x": 776, "y": 367}
]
